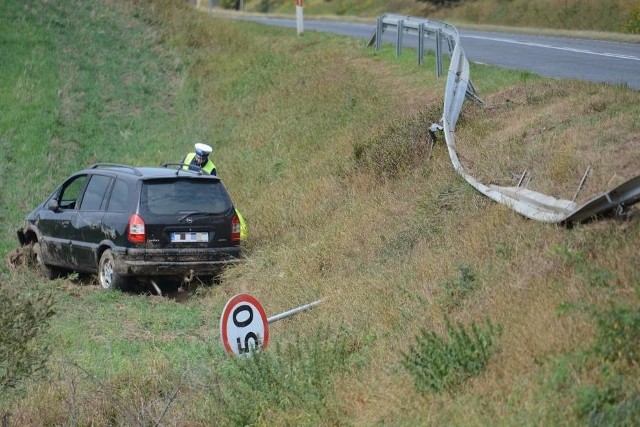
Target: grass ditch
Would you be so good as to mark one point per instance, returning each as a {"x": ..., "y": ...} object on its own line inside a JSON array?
[{"x": 300, "y": 128}]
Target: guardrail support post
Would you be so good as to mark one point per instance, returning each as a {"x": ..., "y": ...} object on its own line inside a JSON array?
[
  {"x": 451, "y": 43},
  {"x": 399, "y": 39},
  {"x": 584, "y": 177},
  {"x": 439, "y": 52},
  {"x": 420, "y": 44},
  {"x": 379, "y": 34}
]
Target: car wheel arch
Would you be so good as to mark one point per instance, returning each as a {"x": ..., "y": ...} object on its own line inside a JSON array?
[
  {"x": 32, "y": 234},
  {"x": 101, "y": 248},
  {"x": 48, "y": 271}
]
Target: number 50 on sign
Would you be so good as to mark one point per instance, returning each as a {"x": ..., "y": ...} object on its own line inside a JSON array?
[{"x": 244, "y": 326}]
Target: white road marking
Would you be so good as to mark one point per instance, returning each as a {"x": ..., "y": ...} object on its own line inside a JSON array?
[{"x": 548, "y": 46}]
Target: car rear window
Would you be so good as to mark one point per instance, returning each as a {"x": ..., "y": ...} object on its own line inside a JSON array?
[{"x": 168, "y": 197}]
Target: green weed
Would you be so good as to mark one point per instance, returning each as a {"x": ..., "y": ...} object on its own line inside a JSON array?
[
  {"x": 455, "y": 291},
  {"x": 440, "y": 364},
  {"x": 618, "y": 334}
]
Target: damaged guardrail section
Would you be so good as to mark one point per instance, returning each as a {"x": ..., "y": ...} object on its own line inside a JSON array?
[{"x": 528, "y": 203}]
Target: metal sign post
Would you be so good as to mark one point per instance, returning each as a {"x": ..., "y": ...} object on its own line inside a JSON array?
[{"x": 292, "y": 312}]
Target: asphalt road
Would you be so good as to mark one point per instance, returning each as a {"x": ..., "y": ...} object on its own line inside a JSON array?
[{"x": 556, "y": 57}]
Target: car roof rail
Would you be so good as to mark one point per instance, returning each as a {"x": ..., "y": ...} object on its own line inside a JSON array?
[
  {"x": 184, "y": 168},
  {"x": 132, "y": 169}
]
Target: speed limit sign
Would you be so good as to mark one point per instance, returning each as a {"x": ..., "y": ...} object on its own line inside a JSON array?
[{"x": 244, "y": 326}]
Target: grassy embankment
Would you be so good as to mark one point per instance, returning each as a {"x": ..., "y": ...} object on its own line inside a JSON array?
[{"x": 323, "y": 145}]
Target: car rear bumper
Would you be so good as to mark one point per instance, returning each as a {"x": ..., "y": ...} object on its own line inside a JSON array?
[{"x": 178, "y": 262}]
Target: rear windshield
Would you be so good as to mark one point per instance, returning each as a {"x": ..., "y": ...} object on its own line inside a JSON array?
[{"x": 168, "y": 197}]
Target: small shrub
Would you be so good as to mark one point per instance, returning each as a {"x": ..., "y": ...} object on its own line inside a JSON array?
[
  {"x": 454, "y": 291},
  {"x": 438, "y": 364},
  {"x": 23, "y": 320},
  {"x": 618, "y": 334},
  {"x": 287, "y": 378},
  {"x": 633, "y": 24},
  {"x": 609, "y": 404},
  {"x": 230, "y": 4}
]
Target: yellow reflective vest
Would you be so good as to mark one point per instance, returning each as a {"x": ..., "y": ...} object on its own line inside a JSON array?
[
  {"x": 243, "y": 226},
  {"x": 208, "y": 167}
]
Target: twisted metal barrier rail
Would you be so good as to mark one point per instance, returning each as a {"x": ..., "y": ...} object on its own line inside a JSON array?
[{"x": 529, "y": 203}]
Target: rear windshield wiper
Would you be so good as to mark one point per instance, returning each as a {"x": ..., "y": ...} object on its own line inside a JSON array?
[{"x": 197, "y": 213}]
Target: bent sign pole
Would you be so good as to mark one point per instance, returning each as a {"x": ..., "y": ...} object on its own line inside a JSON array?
[
  {"x": 299, "y": 17},
  {"x": 292, "y": 312}
]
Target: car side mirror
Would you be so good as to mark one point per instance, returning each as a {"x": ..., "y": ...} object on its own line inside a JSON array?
[{"x": 53, "y": 206}]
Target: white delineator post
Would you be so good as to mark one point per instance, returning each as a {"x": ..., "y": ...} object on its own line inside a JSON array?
[{"x": 299, "y": 17}]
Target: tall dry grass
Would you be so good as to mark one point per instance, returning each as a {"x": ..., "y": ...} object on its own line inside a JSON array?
[{"x": 588, "y": 15}]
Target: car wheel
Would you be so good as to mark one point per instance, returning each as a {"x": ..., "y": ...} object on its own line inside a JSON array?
[
  {"x": 46, "y": 270},
  {"x": 107, "y": 275}
]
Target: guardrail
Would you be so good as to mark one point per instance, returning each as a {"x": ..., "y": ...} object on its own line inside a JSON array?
[
  {"x": 422, "y": 29},
  {"x": 528, "y": 203}
]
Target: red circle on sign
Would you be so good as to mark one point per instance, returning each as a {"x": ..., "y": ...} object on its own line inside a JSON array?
[{"x": 243, "y": 325}]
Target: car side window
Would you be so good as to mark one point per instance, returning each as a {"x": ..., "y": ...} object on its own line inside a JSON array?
[
  {"x": 71, "y": 191},
  {"x": 119, "y": 197},
  {"x": 94, "y": 194}
]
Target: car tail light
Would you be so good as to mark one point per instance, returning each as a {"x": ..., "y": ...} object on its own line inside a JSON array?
[
  {"x": 136, "y": 230},
  {"x": 235, "y": 229}
]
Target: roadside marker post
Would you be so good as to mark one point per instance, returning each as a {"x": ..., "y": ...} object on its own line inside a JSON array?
[
  {"x": 299, "y": 17},
  {"x": 244, "y": 326}
]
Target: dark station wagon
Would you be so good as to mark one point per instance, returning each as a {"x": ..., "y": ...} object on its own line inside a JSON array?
[{"x": 130, "y": 223}]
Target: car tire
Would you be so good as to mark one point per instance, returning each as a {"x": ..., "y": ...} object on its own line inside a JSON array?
[
  {"x": 108, "y": 276},
  {"x": 46, "y": 270}
]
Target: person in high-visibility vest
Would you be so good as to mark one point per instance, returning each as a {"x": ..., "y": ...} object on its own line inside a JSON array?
[{"x": 199, "y": 160}]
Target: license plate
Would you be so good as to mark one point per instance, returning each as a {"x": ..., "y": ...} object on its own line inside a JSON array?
[{"x": 189, "y": 237}]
